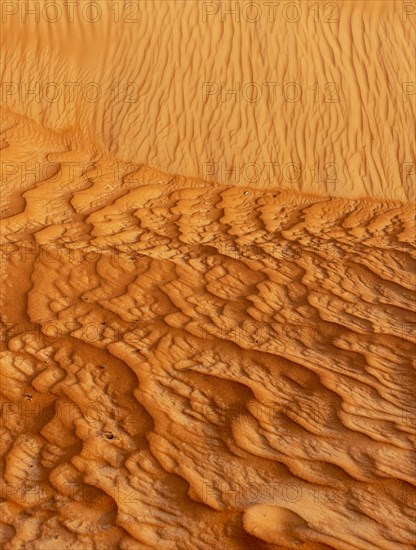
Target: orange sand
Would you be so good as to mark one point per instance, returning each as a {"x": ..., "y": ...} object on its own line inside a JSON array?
[{"x": 208, "y": 301}]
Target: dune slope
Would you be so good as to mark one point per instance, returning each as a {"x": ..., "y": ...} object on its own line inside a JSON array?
[{"x": 198, "y": 366}]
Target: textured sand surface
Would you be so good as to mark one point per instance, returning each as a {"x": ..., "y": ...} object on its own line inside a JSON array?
[
  {"x": 191, "y": 364},
  {"x": 323, "y": 92}
]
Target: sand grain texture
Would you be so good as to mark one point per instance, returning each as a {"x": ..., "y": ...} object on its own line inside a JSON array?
[{"x": 192, "y": 364}]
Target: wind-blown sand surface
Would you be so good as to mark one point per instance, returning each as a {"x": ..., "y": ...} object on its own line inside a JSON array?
[
  {"x": 194, "y": 357},
  {"x": 187, "y": 87}
]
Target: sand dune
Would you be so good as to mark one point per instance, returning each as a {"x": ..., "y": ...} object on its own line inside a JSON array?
[
  {"x": 191, "y": 359},
  {"x": 311, "y": 96}
]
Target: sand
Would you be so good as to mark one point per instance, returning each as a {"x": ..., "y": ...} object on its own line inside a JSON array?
[{"x": 208, "y": 295}]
